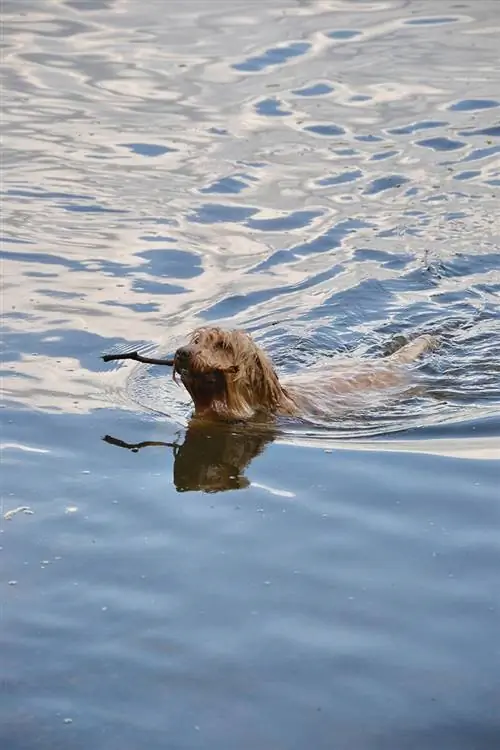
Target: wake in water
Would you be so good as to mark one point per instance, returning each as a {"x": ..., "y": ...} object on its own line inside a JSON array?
[{"x": 458, "y": 381}]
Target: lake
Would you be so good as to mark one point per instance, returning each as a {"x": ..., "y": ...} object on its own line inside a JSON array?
[{"x": 326, "y": 175}]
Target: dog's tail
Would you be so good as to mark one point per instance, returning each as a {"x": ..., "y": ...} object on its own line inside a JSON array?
[{"x": 408, "y": 353}]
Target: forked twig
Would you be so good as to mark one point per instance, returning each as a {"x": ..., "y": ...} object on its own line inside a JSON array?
[{"x": 136, "y": 357}]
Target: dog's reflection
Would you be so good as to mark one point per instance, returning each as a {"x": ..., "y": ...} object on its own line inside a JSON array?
[{"x": 213, "y": 456}]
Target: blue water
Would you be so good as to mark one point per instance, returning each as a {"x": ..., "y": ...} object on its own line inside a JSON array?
[{"x": 326, "y": 176}]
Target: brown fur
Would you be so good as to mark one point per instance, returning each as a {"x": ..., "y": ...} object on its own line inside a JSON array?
[{"x": 229, "y": 377}]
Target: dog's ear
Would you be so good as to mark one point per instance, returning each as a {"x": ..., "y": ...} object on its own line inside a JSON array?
[
  {"x": 232, "y": 370},
  {"x": 265, "y": 381}
]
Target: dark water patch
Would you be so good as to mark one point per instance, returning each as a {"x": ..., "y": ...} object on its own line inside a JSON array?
[
  {"x": 384, "y": 258},
  {"x": 292, "y": 350},
  {"x": 418, "y": 279},
  {"x": 316, "y": 89},
  {"x": 17, "y": 315},
  {"x": 367, "y": 300},
  {"x": 293, "y": 220},
  {"x": 412, "y": 191},
  {"x": 58, "y": 294},
  {"x": 473, "y": 105},
  {"x": 226, "y": 186},
  {"x": 416, "y": 127},
  {"x": 492, "y": 132},
  {"x": 95, "y": 209},
  {"x": 109, "y": 267},
  {"x": 148, "y": 149},
  {"x": 346, "y": 152},
  {"x": 467, "y": 175},
  {"x": 157, "y": 238},
  {"x": 138, "y": 307},
  {"x": 441, "y": 144},
  {"x": 42, "y": 258},
  {"x": 48, "y": 195},
  {"x": 360, "y": 98},
  {"x": 462, "y": 264},
  {"x": 218, "y": 213},
  {"x": 489, "y": 289},
  {"x": 89, "y": 5},
  {"x": 57, "y": 197},
  {"x": 325, "y": 130},
  {"x": 58, "y": 342},
  {"x": 383, "y": 155},
  {"x": 343, "y": 34},
  {"x": 271, "y": 108},
  {"x": 435, "y": 199},
  {"x": 368, "y": 138},
  {"x": 14, "y": 240},
  {"x": 457, "y": 297},
  {"x": 147, "y": 286},
  {"x": 478, "y": 154},
  {"x": 171, "y": 263},
  {"x": 252, "y": 164},
  {"x": 278, "y": 258},
  {"x": 341, "y": 179},
  {"x": 234, "y": 305},
  {"x": 431, "y": 20},
  {"x": 332, "y": 238},
  {"x": 454, "y": 215},
  {"x": 385, "y": 183},
  {"x": 271, "y": 57}
]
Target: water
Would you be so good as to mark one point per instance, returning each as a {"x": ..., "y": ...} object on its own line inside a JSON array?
[{"x": 326, "y": 175}]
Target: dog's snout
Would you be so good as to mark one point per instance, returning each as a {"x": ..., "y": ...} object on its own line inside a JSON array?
[{"x": 183, "y": 354}]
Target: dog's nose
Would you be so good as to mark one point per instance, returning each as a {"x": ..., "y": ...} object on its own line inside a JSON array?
[{"x": 183, "y": 354}]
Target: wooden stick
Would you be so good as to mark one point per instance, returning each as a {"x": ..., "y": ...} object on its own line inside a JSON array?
[{"x": 136, "y": 357}]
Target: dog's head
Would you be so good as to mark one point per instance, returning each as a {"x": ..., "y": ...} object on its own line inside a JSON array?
[{"x": 227, "y": 375}]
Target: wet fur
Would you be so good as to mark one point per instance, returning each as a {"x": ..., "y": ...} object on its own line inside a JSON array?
[{"x": 245, "y": 383}]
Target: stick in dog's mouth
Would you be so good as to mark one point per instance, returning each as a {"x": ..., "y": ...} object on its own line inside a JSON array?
[
  {"x": 173, "y": 362},
  {"x": 169, "y": 361},
  {"x": 136, "y": 357}
]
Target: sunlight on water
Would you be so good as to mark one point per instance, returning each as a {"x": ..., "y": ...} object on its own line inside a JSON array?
[{"x": 357, "y": 232}]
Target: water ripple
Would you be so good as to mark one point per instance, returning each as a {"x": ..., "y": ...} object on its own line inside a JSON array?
[
  {"x": 272, "y": 57},
  {"x": 325, "y": 174}
]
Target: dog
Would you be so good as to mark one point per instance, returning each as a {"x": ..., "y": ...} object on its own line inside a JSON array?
[
  {"x": 231, "y": 380},
  {"x": 229, "y": 377}
]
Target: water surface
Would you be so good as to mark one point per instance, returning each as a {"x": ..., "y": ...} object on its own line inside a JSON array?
[{"x": 326, "y": 175}]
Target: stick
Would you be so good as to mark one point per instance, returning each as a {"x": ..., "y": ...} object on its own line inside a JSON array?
[{"x": 138, "y": 358}]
